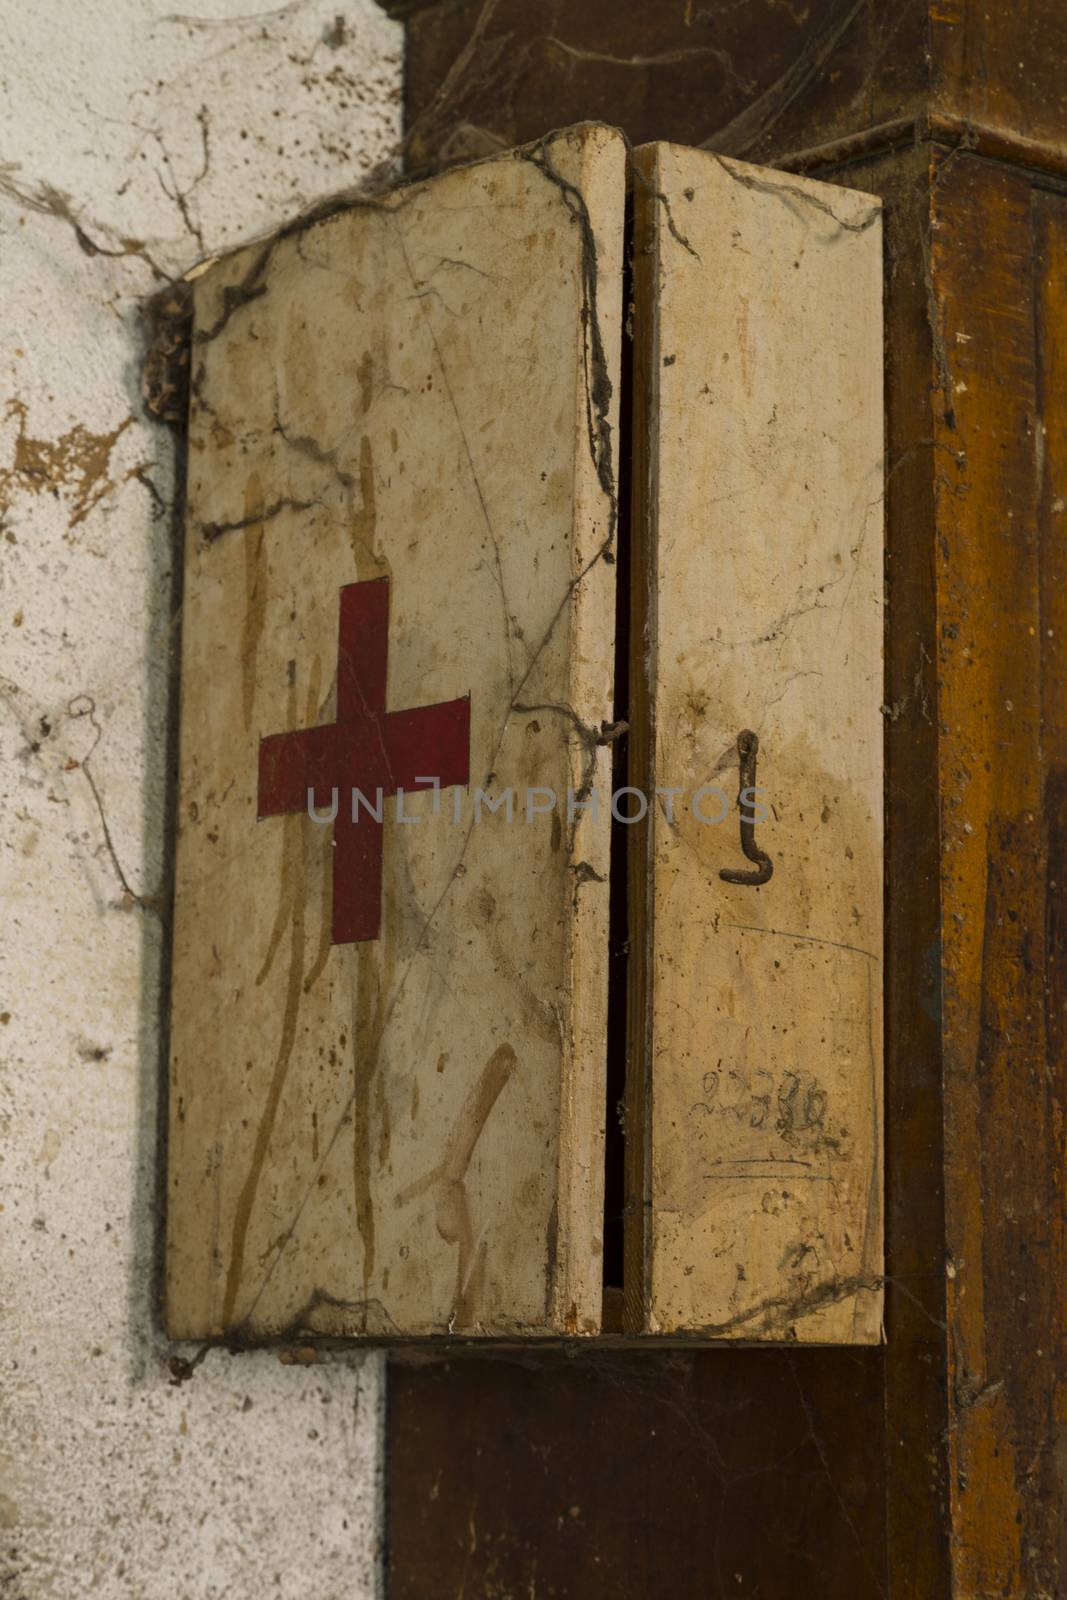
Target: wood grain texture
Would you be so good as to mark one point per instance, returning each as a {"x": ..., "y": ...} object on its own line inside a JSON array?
[
  {"x": 1001, "y": 69},
  {"x": 401, "y": 1136},
  {"x": 998, "y": 258},
  {"x": 755, "y": 80},
  {"x": 1043, "y": 1406},
  {"x": 750, "y": 80},
  {"x": 697, "y": 1474},
  {"x": 914, "y": 1372},
  {"x": 759, "y": 497}
]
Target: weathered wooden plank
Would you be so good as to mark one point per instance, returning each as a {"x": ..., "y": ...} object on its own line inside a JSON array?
[
  {"x": 1039, "y": 1192},
  {"x": 1001, "y": 430},
  {"x": 914, "y": 1370},
  {"x": 401, "y": 495},
  {"x": 758, "y": 528}
]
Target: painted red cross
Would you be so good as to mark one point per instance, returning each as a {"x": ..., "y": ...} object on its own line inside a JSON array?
[{"x": 367, "y": 748}]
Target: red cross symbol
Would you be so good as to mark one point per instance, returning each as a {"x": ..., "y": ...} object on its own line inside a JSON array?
[{"x": 367, "y": 748}]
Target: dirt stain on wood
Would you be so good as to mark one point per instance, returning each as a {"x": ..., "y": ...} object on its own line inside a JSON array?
[
  {"x": 291, "y": 912},
  {"x": 370, "y": 1011},
  {"x": 364, "y": 521},
  {"x": 255, "y": 600},
  {"x": 453, "y": 1215}
]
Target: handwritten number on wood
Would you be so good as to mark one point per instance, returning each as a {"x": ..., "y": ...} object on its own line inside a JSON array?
[{"x": 747, "y": 748}]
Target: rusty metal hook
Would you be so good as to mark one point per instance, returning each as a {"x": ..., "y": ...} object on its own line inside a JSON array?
[{"x": 747, "y": 748}]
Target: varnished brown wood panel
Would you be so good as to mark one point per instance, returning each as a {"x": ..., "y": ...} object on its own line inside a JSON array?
[
  {"x": 748, "y": 80},
  {"x": 1002, "y": 67},
  {"x": 914, "y": 1374},
  {"x": 1001, "y": 752},
  {"x": 1049, "y": 1413},
  {"x": 756, "y": 79},
  {"x": 714, "y": 1474}
]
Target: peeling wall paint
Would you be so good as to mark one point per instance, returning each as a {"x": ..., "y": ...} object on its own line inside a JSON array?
[{"x": 133, "y": 141}]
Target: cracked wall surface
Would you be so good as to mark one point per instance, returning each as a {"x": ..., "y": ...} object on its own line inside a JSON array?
[{"x": 134, "y": 141}]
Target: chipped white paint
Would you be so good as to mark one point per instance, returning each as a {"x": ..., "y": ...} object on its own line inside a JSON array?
[
  {"x": 148, "y": 139},
  {"x": 763, "y": 559}
]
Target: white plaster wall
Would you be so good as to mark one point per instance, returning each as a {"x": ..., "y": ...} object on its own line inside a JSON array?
[{"x": 132, "y": 142}]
